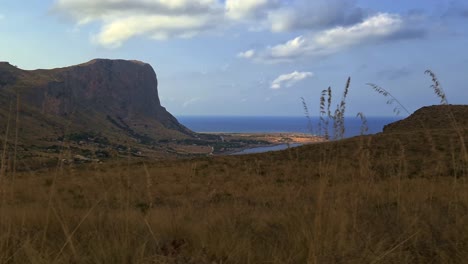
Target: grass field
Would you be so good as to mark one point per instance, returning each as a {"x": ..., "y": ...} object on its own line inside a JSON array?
[
  {"x": 395, "y": 197},
  {"x": 387, "y": 198}
]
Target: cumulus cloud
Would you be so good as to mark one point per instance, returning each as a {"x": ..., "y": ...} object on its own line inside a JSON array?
[
  {"x": 281, "y": 16},
  {"x": 159, "y": 27},
  {"x": 121, "y": 20},
  {"x": 158, "y": 19},
  {"x": 382, "y": 26},
  {"x": 288, "y": 80},
  {"x": 306, "y": 14},
  {"x": 86, "y": 11},
  {"x": 246, "y": 54}
]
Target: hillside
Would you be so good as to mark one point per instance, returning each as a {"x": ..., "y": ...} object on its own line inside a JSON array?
[
  {"x": 425, "y": 144},
  {"x": 434, "y": 117},
  {"x": 103, "y": 103},
  {"x": 393, "y": 197}
]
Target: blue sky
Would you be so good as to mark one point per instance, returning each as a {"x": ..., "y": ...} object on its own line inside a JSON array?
[{"x": 254, "y": 57}]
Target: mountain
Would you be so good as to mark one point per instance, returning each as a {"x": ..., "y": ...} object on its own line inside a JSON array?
[{"x": 115, "y": 101}]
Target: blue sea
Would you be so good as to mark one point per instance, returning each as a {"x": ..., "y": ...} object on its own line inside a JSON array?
[{"x": 277, "y": 124}]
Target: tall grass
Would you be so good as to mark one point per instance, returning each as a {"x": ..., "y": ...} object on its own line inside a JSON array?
[
  {"x": 307, "y": 115},
  {"x": 437, "y": 87},
  {"x": 392, "y": 100},
  {"x": 339, "y": 117},
  {"x": 364, "y": 125},
  {"x": 242, "y": 210},
  {"x": 325, "y": 113},
  {"x": 387, "y": 198},
  {"x": 439, "y": 91}
]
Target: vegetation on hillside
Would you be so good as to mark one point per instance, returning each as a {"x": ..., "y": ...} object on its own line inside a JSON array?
[{"x": 394, "y": 197}]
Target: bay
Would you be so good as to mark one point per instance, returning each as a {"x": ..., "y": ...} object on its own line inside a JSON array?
[{"x": 278, "y": 124}]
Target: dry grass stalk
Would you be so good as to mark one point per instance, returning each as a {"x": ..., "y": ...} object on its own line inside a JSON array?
[
  {"x": 321, "y": 112},
  {"x": 325, "y": 112},
  {"x": 307, "y": 115},
  {"x": 364, "y": 125},
  {"x": 392, "y": 99},
  {"x": 323, "y": 121},
  {"x": 439, "y": 91},
  {"x": 437, "y": 87},
  {"x": 329, "y": 114},
  {"x": 339, "y": 123}
]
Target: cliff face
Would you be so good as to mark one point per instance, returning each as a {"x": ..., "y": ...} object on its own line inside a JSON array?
[
  {"x": 117, "y": 87},
  {"x": 104, "y": 96}
]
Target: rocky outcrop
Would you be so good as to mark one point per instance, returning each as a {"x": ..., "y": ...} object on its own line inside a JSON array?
[{"x": 103, "y": 96}]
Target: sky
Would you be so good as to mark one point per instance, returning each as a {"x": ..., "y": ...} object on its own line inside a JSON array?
[{"x": 255, "y": 57}]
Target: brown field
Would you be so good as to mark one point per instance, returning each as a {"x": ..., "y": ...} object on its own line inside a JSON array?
[
  {"x": 388, "y": 198},
  {"x": 395, "y": 197}
]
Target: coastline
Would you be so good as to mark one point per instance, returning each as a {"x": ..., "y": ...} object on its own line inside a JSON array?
[
  {"x": 270, "y": 140},
  {"x": 222, "y": 143}
]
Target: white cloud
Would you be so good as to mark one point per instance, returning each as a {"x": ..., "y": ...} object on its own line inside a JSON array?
[
  {"x": 114, "y": 33},
  {"x": 307, "y": 14},
  {"x": 249, "y": 9},
  {"x": 246, "y": 54},
  {"x": 280, "y": 16},
  {"x": 86, "y": 11},
  {"x": 376, "y": 28},
  {"x": 2, "y": 16},
  {"x": 157, "y": 19},
  {"x": 121, "y": 20},
  {"x": 288, "y": 80},
  {"x": 292, "y": 48}
]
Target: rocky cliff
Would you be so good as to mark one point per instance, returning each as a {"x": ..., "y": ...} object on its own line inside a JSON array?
[{"x": 115, "y": 98}]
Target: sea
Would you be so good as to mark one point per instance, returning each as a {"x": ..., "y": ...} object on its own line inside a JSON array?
[{"x": 279, "y": 124}]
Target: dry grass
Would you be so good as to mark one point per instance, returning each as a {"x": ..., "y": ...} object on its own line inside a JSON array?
[
  {"x": 368, "y": 199},
  {"x": 395, "y": 197}
]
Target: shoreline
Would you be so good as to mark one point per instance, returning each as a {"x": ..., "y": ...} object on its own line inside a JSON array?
[
  {"x": 271, "y": 138},
  {"x": 239, "y": 152}
]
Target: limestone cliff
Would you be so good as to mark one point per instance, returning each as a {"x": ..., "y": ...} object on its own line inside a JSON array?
[{"x": 117, "y": 98}]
